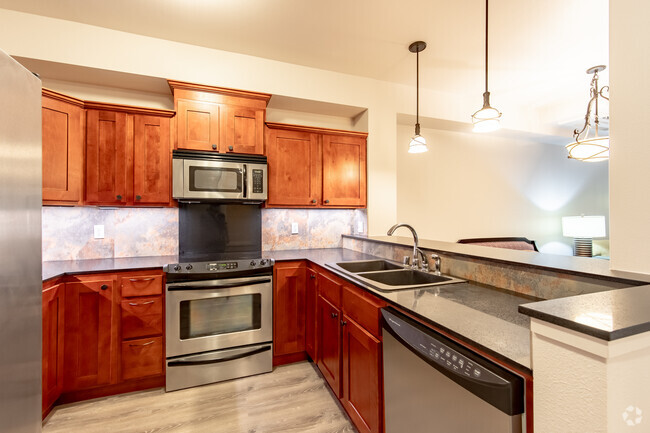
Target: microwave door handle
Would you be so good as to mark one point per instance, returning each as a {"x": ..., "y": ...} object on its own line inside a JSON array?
[{"x": 245, "y": 188}]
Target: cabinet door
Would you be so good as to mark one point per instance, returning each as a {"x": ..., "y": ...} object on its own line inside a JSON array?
[
  {"x": 362, "y": 393},
  {"x": 90, "y": 333},
  {"x": 289, "y": 310},
  {"x": 244, "y": 130},
  {"x": 62, "y": 152},
  {"x": 106, "y": 157},
  {"x": 53, "y": 320},
  {"x": 311, "y": 301},
  {"x": 329, "y": 344},
  {"x": 151, "y": 160},
  {"x": 344, "y": 171},
  {"x": 294, "y": 168},
  {"x": 198, "y": 125}
]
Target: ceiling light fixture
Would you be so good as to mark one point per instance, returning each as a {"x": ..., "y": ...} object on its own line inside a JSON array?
[
  {"x": 595, "y": 148},
  {"x": 418, "y": 144},
  {"x": 486, "y": 119}
]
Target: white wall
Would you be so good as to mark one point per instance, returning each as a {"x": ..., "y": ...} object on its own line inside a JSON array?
[
  {"x": 483, "y": 185},
  {"x": 630, "y": 147}
]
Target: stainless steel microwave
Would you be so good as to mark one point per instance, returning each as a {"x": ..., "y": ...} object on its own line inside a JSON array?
[{"x": 207, "y": 176}]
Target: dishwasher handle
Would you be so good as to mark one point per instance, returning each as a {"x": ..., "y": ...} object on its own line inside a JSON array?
[{"x": 492, "y": 383}]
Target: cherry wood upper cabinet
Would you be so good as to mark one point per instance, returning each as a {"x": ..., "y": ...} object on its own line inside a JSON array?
[
  {"x": 151, "y": 160},
  {"x": 218, "y": 119},
  {"x": 128, "y": 156},
  {"x": 91, "y": 333},
  {"x": 106, "y": 157},
  {"x": 315, "y": 167},
  {"x": 53, "y": 329},
  {"x": 294, "y": 168},
  {"x": 63, "y": 137},
  {"x": 344, "y": 170}
]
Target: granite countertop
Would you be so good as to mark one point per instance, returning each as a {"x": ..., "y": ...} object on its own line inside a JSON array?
[
  {"x": 484, "y": 317},
  {"x": 606, "y": 315}
]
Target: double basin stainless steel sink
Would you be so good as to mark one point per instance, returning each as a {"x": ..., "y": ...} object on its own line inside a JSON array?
[{"x": 388, "y": 276}]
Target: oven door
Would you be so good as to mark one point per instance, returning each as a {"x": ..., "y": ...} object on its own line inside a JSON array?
[
  {"x": 209, "y": 180},
  {"x": 217, "y": 314}
]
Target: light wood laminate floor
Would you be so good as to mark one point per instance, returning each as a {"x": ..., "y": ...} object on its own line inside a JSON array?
[{"x": 293, "y": 398}]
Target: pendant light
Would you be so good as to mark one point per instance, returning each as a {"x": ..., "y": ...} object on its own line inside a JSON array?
[
  {"x": 418, "y": 144},
  {"x": 595, "y": 148},
  {"x": 487, "y": 118}
]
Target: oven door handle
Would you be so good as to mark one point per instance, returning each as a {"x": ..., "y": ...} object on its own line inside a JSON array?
[
  {"x": 184, "y": 362},
  {"x": 212, "y": 285}
]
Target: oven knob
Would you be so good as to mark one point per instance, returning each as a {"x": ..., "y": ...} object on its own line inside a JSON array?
[
  {"x": 188, "y": 267},
  {"x": 177, "y": 268},
  {"x": 253, "y": 263},
  {"x": 263, "y": 262}
]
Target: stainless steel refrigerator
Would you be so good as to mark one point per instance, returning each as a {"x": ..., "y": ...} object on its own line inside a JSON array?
[{"x": 20, "y": 248}]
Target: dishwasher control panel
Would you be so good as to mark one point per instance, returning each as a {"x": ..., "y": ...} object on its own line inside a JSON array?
[{"x": 439, "y": 352}]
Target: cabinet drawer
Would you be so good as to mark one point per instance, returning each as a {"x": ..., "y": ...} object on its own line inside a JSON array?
[
  {"x": 142, "y": 317},
  {"x": 141, "y": 285},
  {"x": 363, "y": 308},
  {"x": 329, "y": 288},
  {"x": 142, "y": 358}
]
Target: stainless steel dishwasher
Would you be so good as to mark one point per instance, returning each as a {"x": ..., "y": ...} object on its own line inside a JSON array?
[{"x": 432, "y": 384}]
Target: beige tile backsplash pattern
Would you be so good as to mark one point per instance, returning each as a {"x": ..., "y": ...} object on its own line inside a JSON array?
[
  {"x": 527, "y": 281},
  {"x": 141, "y": 232}
]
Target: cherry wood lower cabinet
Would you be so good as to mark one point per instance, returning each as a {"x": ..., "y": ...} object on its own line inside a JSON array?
[
  {"x": 53, "y": 329},
  {"x": 311, "y": 306},
  {"x": 289, "y": 311},
  {"x": 103, "y": 334}
]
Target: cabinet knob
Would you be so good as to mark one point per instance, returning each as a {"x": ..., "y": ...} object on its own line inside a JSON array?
[
  {"x": 313, "y": 201},
  {"x": 312, "y": 276},
  {"x": 230, "y": 148},
  {"x": 327, "y": 201},
  {"x": 104, "y": 287},
  {"x": 214, "y": 147},
  {"x": 343, "y": 323},
  {"x": 119, "y": 197},
  {"x": 334, "y": 315},
  {"x": 138, "y": 197}
]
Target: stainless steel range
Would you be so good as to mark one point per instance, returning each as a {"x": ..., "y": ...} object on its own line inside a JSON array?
[{"x": 219, "y": 321}]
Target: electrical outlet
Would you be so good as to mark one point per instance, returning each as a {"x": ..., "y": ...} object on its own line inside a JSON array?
[
  {"x": 294, "y": 228},
  {"x": 359, "y": 226},
  {"x": 99, "y": 231}
]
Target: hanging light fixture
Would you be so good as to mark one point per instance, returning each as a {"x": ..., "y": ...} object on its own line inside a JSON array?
[
  {"x": 595, "y": 148},
  {"x": 418, "y": 144},
  {"x": 487, "y": 118}
]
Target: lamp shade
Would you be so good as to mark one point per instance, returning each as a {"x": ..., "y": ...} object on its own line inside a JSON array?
[
  {"x": 418, "y": 144},
  {"x": 583, "y": 226}
]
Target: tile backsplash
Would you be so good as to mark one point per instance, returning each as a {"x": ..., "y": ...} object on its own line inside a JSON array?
[{"x": 139, "y": 232}]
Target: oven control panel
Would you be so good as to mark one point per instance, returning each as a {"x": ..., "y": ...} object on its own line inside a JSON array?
[{"x": 217, "y": 267}]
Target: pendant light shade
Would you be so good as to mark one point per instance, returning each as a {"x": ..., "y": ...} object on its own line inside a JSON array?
[
  {"x": 488, "y": 118},
  {"x": 418, "y": 144},
  {"x": 594, "y": 148}
]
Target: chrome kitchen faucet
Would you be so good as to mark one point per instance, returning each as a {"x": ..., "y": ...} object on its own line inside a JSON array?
[{"x": 415, "y": 262}]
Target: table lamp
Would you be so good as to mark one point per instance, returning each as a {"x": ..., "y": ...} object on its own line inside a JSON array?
[{"x": 583, "y": 229}]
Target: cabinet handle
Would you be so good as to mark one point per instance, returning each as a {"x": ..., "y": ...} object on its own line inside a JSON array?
[
  {"x": 334, "y": 315},
  {"x": 343, "y": 323},
  {"x": 230, "y": 148},
  {"x": 133, "y": 280},
  {"x": 214, "y": 147},
  {"x": 144, "y": 303},
  {"x": 327, "y": 201},
  {"x": 138, "y": 197},
  {"x": 104, "y": 287},
  {"x": 313, "y": 201},
  {"x": 144, "y": 344},
  {"x": 119, "y": 197}
]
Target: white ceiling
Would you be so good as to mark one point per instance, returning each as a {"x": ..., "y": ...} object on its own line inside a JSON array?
[{"x": 539, "y": 49}]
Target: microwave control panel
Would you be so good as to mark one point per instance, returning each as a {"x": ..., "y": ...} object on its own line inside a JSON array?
[{"x": 258, "y": 181}]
